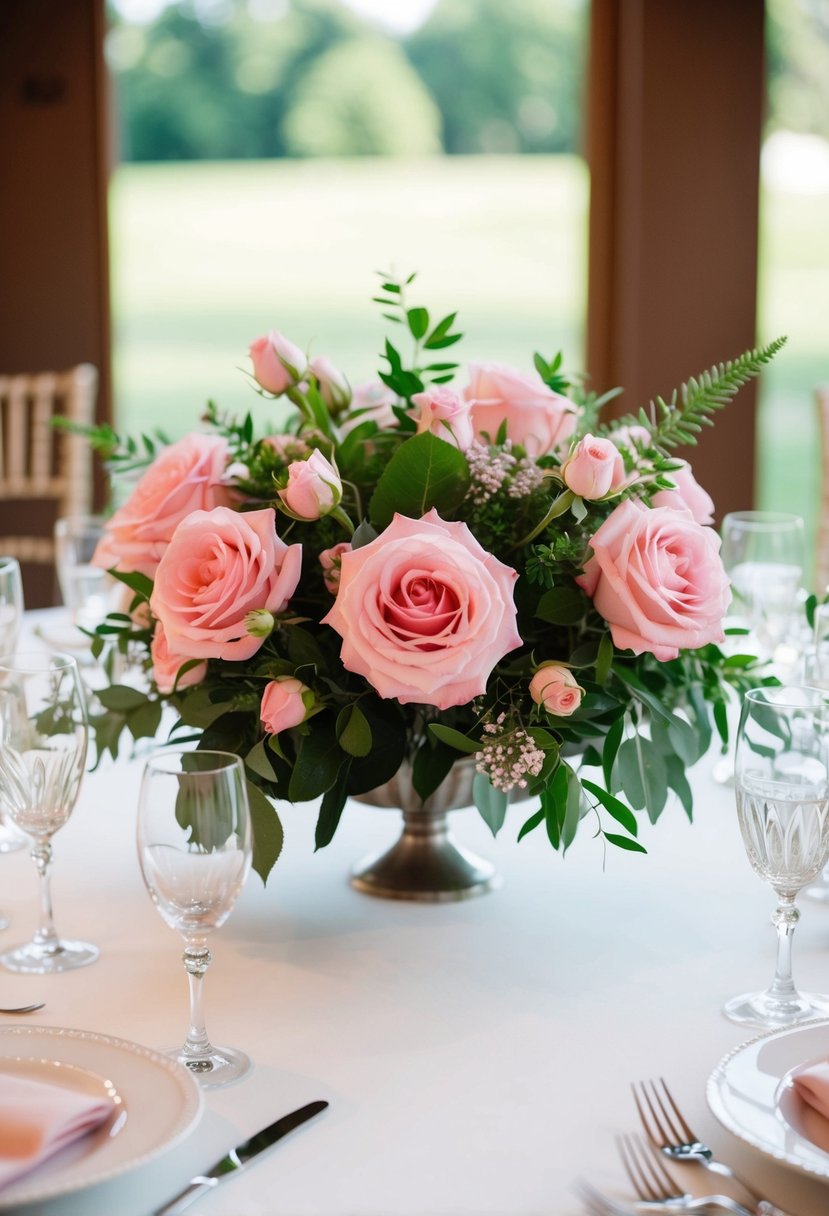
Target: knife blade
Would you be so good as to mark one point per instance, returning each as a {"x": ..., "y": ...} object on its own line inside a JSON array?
[{"x": 239, "y": 1157}]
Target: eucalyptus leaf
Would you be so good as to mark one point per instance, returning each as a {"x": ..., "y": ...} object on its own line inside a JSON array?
[
  {"x": 491, "y": 802},
  {"x": 454, "y": 738},
  {"x": 643, "y": 776}
]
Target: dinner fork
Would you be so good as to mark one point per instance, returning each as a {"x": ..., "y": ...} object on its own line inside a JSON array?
[
  {"x": 655, "y": 1186},
  {"x": 668, "y": 1131},
  {"x": 598, "y": 1204}
]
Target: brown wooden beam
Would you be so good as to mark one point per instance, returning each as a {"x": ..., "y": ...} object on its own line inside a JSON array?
[{"x": 675, "y": 109}]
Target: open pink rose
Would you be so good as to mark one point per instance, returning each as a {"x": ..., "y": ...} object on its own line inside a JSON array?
[
  {"x": 219, "y": 566},
  {"x": 657, "y": 579},
  {"x": 557, "y": 689},
  {"x": 283, "y": 704},
  {"x": 167, "y": 665},
  {"x": 425, "y": 612},
  {"x": 536, "y": 417},
  {"x": 277, "y": 363},
  {"x": 314, "y": 487},
  {"x": 688, "y": 495},
  {"x": 184, "y": 477},
  {"x": 594, "y": 468},
  {"x": 444, "y": 414}
]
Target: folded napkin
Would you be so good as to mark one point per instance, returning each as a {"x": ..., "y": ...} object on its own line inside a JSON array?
[
  {"x": 812, "y": 1085},
  {"x": 38, "y": 1119}
]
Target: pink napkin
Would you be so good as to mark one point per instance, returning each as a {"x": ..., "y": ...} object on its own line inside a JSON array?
[
  {"x": 812, "y": 1085},
  {"x": 38, "y": 1119}
]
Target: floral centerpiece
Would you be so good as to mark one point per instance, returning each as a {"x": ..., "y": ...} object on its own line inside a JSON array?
[{"x": 406, "y": 573}]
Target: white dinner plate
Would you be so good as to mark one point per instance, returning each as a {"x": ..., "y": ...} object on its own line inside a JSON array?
[
  {"x": 156, "y": 1103},
  {"x": 751, "y": 1093}
]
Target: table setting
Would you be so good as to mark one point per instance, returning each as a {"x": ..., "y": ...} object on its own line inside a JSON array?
[{"x": 405, "y": 724}]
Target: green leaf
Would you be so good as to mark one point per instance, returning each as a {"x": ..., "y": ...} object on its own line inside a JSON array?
[
  {"x": 331, "y": 809},
  {"x": 561, "y": 606},
  {"x": 491, "y": 803},
  {"x": 418, "y": 319},
  {"x": 121, "y": 697},
  {"x": 554, "y": 803},
  {"x": 625, "y": 842},
  {"x": 643, "y": 777},
  {"x": 267, "y": 832},
  {"x": 454, "y": 738},
  {"x": 318, "y": 762},
  {"x": 572, "y": 809},
  {"x": 721, "y": 721},
  {"x": 531, "y": 824},
  {"x": 258, "y": 762},
  {"x": 611, "y": 748},
  {"x": 424, "y": 472},
  {"x": 432, "y": 763},
  {"x": 139, "y": 583},
  {"x": 678, "y": 782},
  {"x": 353, "y": 731},
  {"x": 604, "y": 659},
  {"x": 613, "y": 806},
  {"x": 143, "y": 722},
  {"x": 388, "y": 749}
]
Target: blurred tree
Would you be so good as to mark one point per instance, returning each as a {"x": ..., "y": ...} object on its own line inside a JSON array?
[
  {"x": 506, "y": 74},
  {"x": 362, "y": 97},
  {"x": 797, "y": 39}
]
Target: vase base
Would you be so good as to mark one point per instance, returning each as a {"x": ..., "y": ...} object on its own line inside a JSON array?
[{"x": 432, "y": 874}]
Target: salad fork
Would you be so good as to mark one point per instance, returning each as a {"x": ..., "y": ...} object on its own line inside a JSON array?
[
  {"x": 658, "y": 1191},
  {"x": 598, "y": 1204}
]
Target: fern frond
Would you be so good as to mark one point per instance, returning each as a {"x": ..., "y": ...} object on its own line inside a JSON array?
[{"x": 682, "y": 418}]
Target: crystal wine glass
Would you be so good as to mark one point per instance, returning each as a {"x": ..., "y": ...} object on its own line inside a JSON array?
[
  {"x": 11, "y": 619},
  {"x": 194, "y": 848},
  {"x": 763, "y": 553},
  {"x": 782, "y": 786},
  {"x": 43, "y": 741}
]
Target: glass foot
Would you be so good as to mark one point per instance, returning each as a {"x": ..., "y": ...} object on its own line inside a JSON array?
[
  {"x": 219, "y": 1066},
  {"x": 5, "y": 921},
  {"x": 774, "y": 1012},
  {"x": 37, "y": 959}
]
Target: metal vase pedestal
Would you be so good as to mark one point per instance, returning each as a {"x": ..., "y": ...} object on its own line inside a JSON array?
[{"x": 425, "y": 865}]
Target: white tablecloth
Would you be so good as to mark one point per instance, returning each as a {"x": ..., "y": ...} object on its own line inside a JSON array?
[{"x": 476, "y": 1056}]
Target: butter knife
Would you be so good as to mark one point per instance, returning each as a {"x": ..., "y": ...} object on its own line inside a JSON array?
[{"x": 239, "y": 1157}]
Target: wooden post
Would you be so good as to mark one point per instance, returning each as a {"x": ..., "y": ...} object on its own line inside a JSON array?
[{"x": 674, "y": 124}]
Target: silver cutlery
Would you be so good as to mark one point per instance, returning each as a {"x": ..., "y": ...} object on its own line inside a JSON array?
[
  {"x": 239, "y": 1157},
  {"x": 657, "y": 1190},
  {"x": 596, "y": 1203},
  {"x": 23, "y": 1008},
  {"x": 668, "y": 1131}
]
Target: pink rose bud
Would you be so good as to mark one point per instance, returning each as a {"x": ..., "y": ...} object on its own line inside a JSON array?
[
  {"x": 259, "y": 623},
  {"x": 314, "y": 487},
  {"x": 688, "y": 495},
  {"x": 285, "y": 703},
  {"x": 331, "y": 561},
  {"x": 444, "y": 414},
  {"x": 371, "y": 402},
  {"x": 594, "y": 468},
  {"x": 277, "y": 364},
  {"x": 334, "y": 388},
  {"x": 555, "y": 688}
]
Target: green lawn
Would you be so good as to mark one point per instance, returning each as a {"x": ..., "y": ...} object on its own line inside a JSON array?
[{"x": 207, "y": 256}]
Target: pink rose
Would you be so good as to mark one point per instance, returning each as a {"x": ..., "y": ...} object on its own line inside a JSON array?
[
  {"x": 283, "y": 704},
  {"x": 277, "y": 363},
  {"x": 371, "y": 402},
  {"x": 333, "y": 386},
  {"x": 536, "y": 417},
  {"x": 425, "y": 612},
  {"x": 167, "y": 665},
  {"x": 444, "y": 414},
  {"x": 657, "y": 579},
  {"x": 184, "y": 477},
  {"x": 556, "y": 688},
  {"x": 219, "y": 566},
  {"x": 688, "y": 495},
  {"x": 630, "y": 435},
  {"x": 314, "y": 487},
  {"x": 594, "y": 468},
  {"x": 287, "y": 447},
  {"x": 331, "y": 562}
]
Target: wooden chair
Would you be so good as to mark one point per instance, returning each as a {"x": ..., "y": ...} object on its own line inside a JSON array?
[
  {"x": 822, "y": 531},
  {"x": 45, "y": 472}
]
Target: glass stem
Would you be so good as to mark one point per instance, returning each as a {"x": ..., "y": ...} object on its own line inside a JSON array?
[
  {"x": 196, "y": 958},
  {"x": 45, "y": 936},
  {"x": 784, "y": 920}
]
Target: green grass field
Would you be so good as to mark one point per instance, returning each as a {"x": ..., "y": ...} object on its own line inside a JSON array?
[{"x": 207, "y": 256}]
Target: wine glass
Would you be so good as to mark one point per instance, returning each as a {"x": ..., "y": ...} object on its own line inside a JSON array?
[
  {"x": 782, "y": 787},
  {"x": 194, "y": 849},
  {"x": 43, "y": 741},
  {"x": 11, "y": 619},
  {"x": 763, "y": 553}
]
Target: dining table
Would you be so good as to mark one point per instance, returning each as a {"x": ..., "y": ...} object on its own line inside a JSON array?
[{"x": 477, "y": 1056}]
